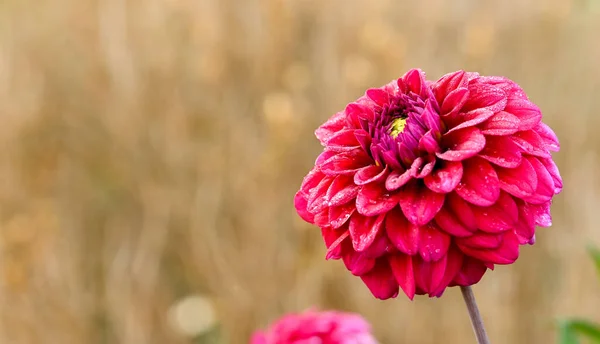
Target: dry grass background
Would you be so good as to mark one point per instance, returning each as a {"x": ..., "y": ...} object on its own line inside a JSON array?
[{"x": 150, "y": 151}]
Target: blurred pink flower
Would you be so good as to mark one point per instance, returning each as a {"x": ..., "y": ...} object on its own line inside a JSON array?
[
  {"x": 312, "y": 327},
  {"x": 424, "y": 185}
]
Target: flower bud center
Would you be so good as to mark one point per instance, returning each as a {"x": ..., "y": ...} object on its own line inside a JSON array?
[{"x": 397, "y": 126}]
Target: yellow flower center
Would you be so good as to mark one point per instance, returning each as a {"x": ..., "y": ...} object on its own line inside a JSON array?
[{"x": 397, "y": 126}]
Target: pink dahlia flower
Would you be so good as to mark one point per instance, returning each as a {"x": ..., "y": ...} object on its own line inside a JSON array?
[
  {"x": 424, "y": 185},
  {"x": 312, "y": 327}
]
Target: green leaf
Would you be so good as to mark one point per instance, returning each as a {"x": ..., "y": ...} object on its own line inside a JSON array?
[
  {"x": 569, "y": 331},
  {"x": 595, "y": 253},
  {"x": 566, "y": 334}
]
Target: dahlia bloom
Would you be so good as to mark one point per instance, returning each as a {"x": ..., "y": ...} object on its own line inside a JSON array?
[
  {"x": 310, "y": 327},
  {"x": 424, "y": 185}
]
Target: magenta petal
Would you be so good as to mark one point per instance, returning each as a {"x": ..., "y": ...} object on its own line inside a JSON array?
[
  {"x": 471, "y": 118},
  {"x": 381, "y": 246},
  {"x": 317, "y": 198},
  {"x": 433, "y": 243},
  {"x": 479, "y": 184},
  {"x": 370, "y": 174},
  {"x": 357, "y": 263},
  {"x": 520, "y": 181},
  {"x": 346, "y": 162},
  {"x": 541, "y": 214},
  {"x": 553, "y": 170},
  {"x": 525, "y": 228},
  {"x": 419, "y": 204},
  {"x": 448, "y": 222},
  {"x": 312, "y": 179},
  {"x": 528, "y": 113},
  {"x": 402, "y": 268},
  {"x": 343, "y": 140},
  {"x": 454, "y": 262},
  {"x": 501, "y": 151},
  {"x": 499, "y": 217},
  {"x": 396, "y": 180},
  {"x": 339, "y": 215},
  {"x": 363, "y": 230},
  {"x": 462, "y": 144},
  {"x": 449, "y": 83},
  {"x": 364, "y": 139},
  {"x": 480, "y": 240},
  {"x": 545, "y": 185},
  {"x": 429, "y": 143},
  {"x": 415, "y": 80},
  {"x": 502, "y": 123},
  {"x": 332, "y": 126},
  {"x": 445, "y": 178},
  {"x": 342, "y": 190},
  {"x": 470, "y": 273},
  {"x": 485, "y": 96},
  {"x": 381, "y": 281},
  {"x": 506, "y": 253},
  {"x": 531, "y": 142},
  {"x": 454, "y": 102},
  {"x": 429, "y": 274},
  {"x": 403, "y": 234},
  {"x": 334, "y": 243},
  {"x": 301, "y": 202},
  {"x": 379, "y": 96},
  {"x": 373, "y": 199},
  {"x": 461, "y": 210},
  {"x": 548, "y": 136}
]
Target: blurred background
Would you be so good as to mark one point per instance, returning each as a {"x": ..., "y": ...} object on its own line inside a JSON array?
[{"x": 150, "y": 151}]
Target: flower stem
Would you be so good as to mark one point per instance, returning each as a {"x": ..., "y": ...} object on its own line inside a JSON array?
[{"x": 475, "y": 316}]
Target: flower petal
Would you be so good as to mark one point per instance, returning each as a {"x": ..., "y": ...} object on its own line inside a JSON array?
[
  {"x": 342, "y": 190},
  {"x": 480, "y": 240},
  {"x": 525, "y": 228},
  {"x": 402, "y": 268},
  {"x": 545, "y": 185},
  {"x": 419, "y": 204},
  {"x": 339, "y": 215},
  {"x": 531, "y": 143},
  {"x": 548, "y": 136},
  {"x": 346, "y": 162},
  {"x": 396, "y": 180},
  {"x": 370, "y": 174},
  {"x": 449, "y": 83},
  {"x": 454, "y": 263},
  {"x": 470, "y": 273},
  {"x": 373, "y": 199},
  {"x": 445, "y": 178},
  {"x": 454, "y": 102},
  {"x": 364, "y": 230},
  {"x": 528, "y": 113},
  {"x": 301, "y": 203},
  {"x": 433, "y": 243},
  {"x": 343, "y": 140},
  {"x": 334, "y": 124},
  {"x": 501, "y": 151},
  {"x": 502, "y": 123},
  {"x": 553, "y": 170},
  {"x": 317, "y": 198},
  {"x": 403, "y": 234},
  {"x": 449, "y": 222},
  {"x": 501, "y": 216},
  {"x": 462, "y": 144},
  {"x": 381, "y": 280},
  {"x": 333, "y": 241},
  {"x": 379, "y": 96},
  {"x": 479, "y": 184},
  {"x": 506, "y": 253},
  {"x": 470, "y": 119},
  {"x": 520, "y": 181},
  {"x": 357, "y": 263},
  {"x": 485, "y": 96},
  {"x": 541, "y": 214}
]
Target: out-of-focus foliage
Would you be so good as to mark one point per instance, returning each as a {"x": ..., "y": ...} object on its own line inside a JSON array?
[
  {"x": 571, "y": 330},
  {"x": 150, "y": 151}
]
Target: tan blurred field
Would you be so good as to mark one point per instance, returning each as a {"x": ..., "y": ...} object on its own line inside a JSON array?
[{"x": 150, "y": 151}]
